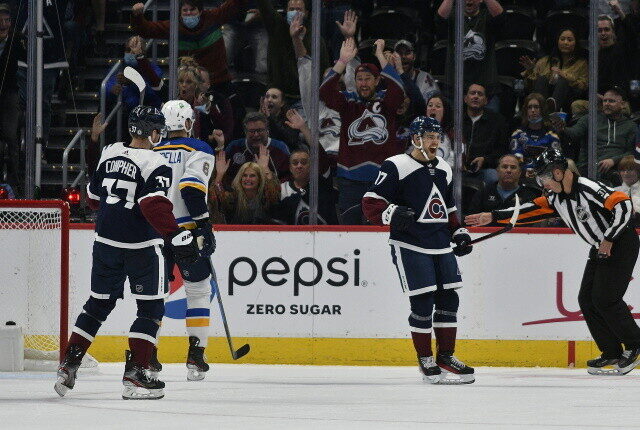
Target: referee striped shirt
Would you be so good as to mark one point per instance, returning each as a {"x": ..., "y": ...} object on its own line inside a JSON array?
[{"x": 592, "y": 210}]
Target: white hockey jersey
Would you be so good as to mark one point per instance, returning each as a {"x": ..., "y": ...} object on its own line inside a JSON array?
[{"x": 192, "y": 163}]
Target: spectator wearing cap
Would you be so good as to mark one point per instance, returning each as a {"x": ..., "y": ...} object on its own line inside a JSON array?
[
  {"x": 9, "y": 146},
  {"x": 423, "y": 80},
  {"x": 240, "y": 151},
  {"x": 282, "y": 69},
  {"x": 615, "y": 138},
  {"x": 629, "y": 172},
  {"x": 369, "y": 125},
  {"x": 481, "y": 26}
]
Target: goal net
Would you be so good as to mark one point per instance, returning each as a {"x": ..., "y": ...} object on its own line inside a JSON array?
[{"x": 34, "y": 265}]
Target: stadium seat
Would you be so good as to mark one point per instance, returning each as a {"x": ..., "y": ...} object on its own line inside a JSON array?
[
  {"x": 470, "y": 186},
  {"x": 438, "y": 57},
  {"x": 558, "y": 19},
  {"x": 519, "y": 23},
  {"x": 508, "y": 53},
  {"x": 388, "y": 23},
  {"x": 250, "y": 90}
]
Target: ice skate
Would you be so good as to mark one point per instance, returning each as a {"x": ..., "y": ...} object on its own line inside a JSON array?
[
  {"x": 629, "y": 360},
  {"x": 454, "y": 371},
  {"x": 603, "y": 366},
  {"x": 155, "y": 367},
  {"x": 430, "y": 371},
  {"x": 196, "y": 365},
  {"x": 138, "y": 384},
  {"x": 68, "y": 369}
]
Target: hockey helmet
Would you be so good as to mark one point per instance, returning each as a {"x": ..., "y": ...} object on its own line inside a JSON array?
[
  {"x": 550, "y": 159},
  {"x": 144, "y": 119},
  {"x": 176, "y": 114},
  {"x": 425, "y": 124}
]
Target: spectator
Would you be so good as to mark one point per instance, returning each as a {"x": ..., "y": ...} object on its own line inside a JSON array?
[
  {"x": 254, "y": 191},
  {"x": 369, "y": 125},
  {"x": 616, "y": 135},
  {"x": 293, "y": 208},
  {"x": 216, "y": 110},
  {"x": 423, "y": 80},
  {"x": 281, "y": 60},
  {"x": 134, "y": 49},
  {"x": 247, "y": 30},
  {"x": 9, "y": 145},
  {"x": 480, "y": 28},
  {"x": 272, "y": 105},
  {"x": 200, "y": 33},
  {"x": 501, "y": 195},
  {"x": 249, "y": 148},
  {"x": 614, "y": 53},
  {"x": 534, "y": 135},
  {"x": 629, "y": 172},
  {"x": 484, "y": 134},
  {"x": 619, "y": 8},
  {"x": 562, "y": 76},
  {"x": 437, "y": 108}
]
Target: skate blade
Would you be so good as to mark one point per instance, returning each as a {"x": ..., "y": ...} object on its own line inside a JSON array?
[
  {"x": 194, "y": 374},
  {"x": 139, "y": 393},
  {"x": 629, "y": 368},
  {"x": 449, "y": 378},
  {"x": 60, "y": 389},
  {"x": 609, "y": 371},
  {"x": 433, "y": 379}
]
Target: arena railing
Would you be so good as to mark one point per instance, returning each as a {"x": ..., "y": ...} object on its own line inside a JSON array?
[{"x": 117, "y": 109}]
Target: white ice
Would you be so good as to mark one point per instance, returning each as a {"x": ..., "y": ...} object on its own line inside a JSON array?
[{"x": 326, "y": 397}]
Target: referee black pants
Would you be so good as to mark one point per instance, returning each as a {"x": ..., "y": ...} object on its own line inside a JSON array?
[{"x": 604, "y": 284}]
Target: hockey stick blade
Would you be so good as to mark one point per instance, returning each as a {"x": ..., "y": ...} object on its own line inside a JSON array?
[
  {"x": 242, "y": 351},
  {"x": 512, "y": 223},
  {"x": 135, "y": 77}
]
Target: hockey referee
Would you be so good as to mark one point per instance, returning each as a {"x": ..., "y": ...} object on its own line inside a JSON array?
[{"x": 602, "y": 218}]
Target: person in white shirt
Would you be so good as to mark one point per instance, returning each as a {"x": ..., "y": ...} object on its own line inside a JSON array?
[{"x": 630, "y": 174}]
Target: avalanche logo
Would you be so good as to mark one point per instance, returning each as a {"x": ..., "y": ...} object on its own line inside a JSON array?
[
  {"x": 434, "y": 210},
  {"x": 175, "y": 306},
  {"x": 370, "y": 127},
  {"x": 474, "y": 47}
]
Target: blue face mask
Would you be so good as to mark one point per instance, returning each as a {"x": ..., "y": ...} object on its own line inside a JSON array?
[
  {"x": 291, "y": 14},
  {"x": 202, "y": 108},
  {"x": 130, "y": 59},
  {"x": 191, "y": 21},
  {"x": 536, "y": 120}
]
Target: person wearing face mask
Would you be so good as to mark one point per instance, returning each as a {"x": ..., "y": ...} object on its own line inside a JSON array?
[
  {"x": 534, "y": 135},
  {"x": 562, "y": 76},
  {"x": 200, "y": 34},
  {"x": 282, "y": 68},
  {"x": 616, "y": 135}
]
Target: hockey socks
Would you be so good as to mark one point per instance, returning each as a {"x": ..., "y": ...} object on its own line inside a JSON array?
[
  {"x": 142, "y": 340},
  {"x": 422, "y": 343}
]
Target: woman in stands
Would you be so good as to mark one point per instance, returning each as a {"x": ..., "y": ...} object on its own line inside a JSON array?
[
  {"x": 254, "y": 191},
  {"x": 534, "y": 135},
  {"x": 438, "y": 108},
  {"x": 562, "y": 76}
]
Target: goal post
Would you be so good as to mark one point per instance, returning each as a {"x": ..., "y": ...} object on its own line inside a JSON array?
[{"x": 34, "y": 265}]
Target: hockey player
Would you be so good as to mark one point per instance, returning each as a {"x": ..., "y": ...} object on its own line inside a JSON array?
[
  {"x": 413, "y": 194},
  {"x": 191, "y": 162},
  {"x": 602, "y": 218},
  {"x": 130, "y": 188}
]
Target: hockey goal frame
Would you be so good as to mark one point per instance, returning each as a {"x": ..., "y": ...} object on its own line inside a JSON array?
[{"x": 64, "y": 256}]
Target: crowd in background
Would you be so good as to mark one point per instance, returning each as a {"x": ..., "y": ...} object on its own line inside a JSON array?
[{"x": 383, "y": 63}]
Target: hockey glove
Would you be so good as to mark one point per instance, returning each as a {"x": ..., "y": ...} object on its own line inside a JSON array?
[
  {"x": 398, "y": 217},
  {"x": 183, "y": 247},
  {"x": 204, "y": 237},
  {"x": 462, "y": 240}
]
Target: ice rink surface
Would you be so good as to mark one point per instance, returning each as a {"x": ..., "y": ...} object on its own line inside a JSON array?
[{"x": 326, "y": 397}]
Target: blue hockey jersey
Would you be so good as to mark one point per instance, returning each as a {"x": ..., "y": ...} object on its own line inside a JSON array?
[
  {"x": 426, "y": 187},
  {"x": 124, "y": 177}
]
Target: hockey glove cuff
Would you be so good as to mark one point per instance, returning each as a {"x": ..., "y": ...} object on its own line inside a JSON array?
[
  {"x": 398, "y": 217},
  {"x": 462, "y": 239},
  {"x": 183, "y": 247},
  {"x": 204, "y": 237}
]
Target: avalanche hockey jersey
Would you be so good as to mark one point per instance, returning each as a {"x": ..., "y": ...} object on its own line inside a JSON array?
[
  {"x": 192, "y": 162},
  {"x": 368, "y": 128},
  {"x": 126, "y": 177},
  {"x": 426, "y": 187}
]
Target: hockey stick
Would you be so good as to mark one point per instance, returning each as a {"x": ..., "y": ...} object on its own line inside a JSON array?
[
  {"x": 512, "y": 223},
  {"x": 135, "y": 77},
  {"x": 244, "y": 349}
]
